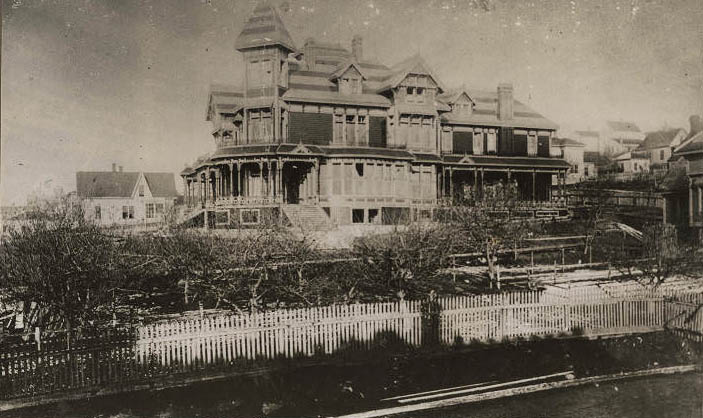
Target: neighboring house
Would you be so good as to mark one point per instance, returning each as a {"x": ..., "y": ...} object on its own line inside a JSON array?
[
  {"x": 323, "y": 132},
  {"x": 590, "y": 139},
  {"x": 126, "y": 198},
  {"x": 571, "y": 151},
  {"x": 684, "y": 184},
  {"x": 660, "y": 144},
  {"x": 594, "y": 164},
  {"x": 621, "y": 136},
  {"x": 633, "y": 162}
]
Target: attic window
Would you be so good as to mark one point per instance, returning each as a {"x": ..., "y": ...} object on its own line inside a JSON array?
[{"x": 141, "y": 190}]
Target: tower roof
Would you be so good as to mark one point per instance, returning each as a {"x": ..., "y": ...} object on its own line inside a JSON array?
[{"x": 264, "y": 28}]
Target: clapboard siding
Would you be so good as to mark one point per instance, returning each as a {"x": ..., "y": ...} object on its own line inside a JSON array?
[{"x": 310, "y": 128}]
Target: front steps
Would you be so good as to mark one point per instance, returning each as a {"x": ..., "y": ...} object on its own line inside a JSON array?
[{"x": 307, "y": 217}]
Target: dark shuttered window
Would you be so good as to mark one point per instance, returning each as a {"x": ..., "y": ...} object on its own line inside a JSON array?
[
  {"x": 505, "y": 142},
  {"x": 377, "y": 132},
  {"x": 520, "y": 145},
  {"x": 543, "y": 146},
  {"x": 462, "y": 142},
  {"x": 310, "y": 128}
]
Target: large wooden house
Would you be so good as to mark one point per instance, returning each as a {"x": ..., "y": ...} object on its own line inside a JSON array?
[{"x": 322, "y": 133}]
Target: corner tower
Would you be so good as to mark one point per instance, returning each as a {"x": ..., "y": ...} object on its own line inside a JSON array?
[{"x": 266, "y": 45}]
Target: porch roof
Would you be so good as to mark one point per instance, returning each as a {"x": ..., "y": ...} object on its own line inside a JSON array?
[{"x": 506, "y": 162}]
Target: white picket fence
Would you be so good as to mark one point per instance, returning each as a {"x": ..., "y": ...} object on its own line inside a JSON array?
[
  {"x": 193, "y": 343},
  {"x": 281, "y": 333}
]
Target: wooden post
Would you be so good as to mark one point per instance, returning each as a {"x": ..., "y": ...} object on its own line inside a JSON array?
[
  {"x": 534, "y": 185},
  {"x": 270, "y": 178},
  {"x": 562, "y": 259},
  {"x": 451, "y": 183},
  {"x": 37, "y": 337},
  {"x": 231, "y": 179},
  {"x": 261, "y": 176},
  {"x": 239, "y": 179}
]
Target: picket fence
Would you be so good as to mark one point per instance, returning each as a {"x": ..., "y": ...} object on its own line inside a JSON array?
[{"x": 222, "y": 343}]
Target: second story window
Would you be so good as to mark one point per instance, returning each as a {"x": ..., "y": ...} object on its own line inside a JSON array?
[
  {"x": 532, "y": 144},
  {"x": 491, "y": 143}
]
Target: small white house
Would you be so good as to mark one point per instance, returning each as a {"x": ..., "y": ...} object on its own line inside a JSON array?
[
  {"x": 660, "y": 144},
  {"x": 126, "y": 198},
  {"x": 633, "y": 162},
  {"x": 571, "y": 151}
]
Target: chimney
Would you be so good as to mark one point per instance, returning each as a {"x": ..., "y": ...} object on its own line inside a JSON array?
[
  {"x": 309, "y": 53},
  {"x": 505, "y": 101},
  {"x": 696, "y": 124},
  {"x": 358, "y": 48},
  {"x": 114, "y": 167},
  {"x": 120, "y": 169}
]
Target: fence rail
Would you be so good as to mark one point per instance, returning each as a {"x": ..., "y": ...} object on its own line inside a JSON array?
[{"x": 192, "y": 347}]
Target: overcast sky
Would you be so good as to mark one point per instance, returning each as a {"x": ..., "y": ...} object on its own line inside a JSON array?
[{"x": 87, "y": 83}]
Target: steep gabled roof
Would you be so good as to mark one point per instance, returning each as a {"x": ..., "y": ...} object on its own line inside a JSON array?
[
  {"x": 693, "y": 144},
  {"x": 485, "y": 113},
  {"x": 161, "y": 184},
  {"x": 343, "y": 67},
  {"x": 623, "y": 126},
  {"x": 122, "y": 184},
  {"x": 264, "y": 28},
  {"x": 452, "y": 95},
  {"x": 660, "y": 139},
  {"x": 224, "y": 99},
  {"x": 413, "y": 65},
  {"x": 105, "y": 183}
]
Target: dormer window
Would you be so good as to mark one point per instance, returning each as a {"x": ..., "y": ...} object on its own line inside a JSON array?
[
  {"x": 350, "y": 85},
  {"x": 415, "y": 94}
]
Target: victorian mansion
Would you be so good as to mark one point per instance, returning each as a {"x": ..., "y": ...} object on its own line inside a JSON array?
[{"x": 321, "y": 133}]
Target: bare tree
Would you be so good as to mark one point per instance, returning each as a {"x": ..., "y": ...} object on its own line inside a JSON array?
[
  {"x": 66, "y": 266},
  {"x": 489, "y": 221}
]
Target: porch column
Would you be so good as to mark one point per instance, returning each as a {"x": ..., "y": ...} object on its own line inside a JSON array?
[
  {"x": 690, "y": 205},
  {"x": 279, "y": 181},
  {"x": 239, "y": 179},
  {"x": 218, "y": 184},
  {"x": 475, "y": 181},
  {"x": 451, "y": 183},
  {"x": 208, "y": 190},
  {"x": 231, "y": 179},
  {"x": 261, "y": 176},
  {"x": 563, "y": 187},
  {"x": 509, "y": 175},
  {"x": 482, "y": 180},
  {"x": 270, "y": 178},
  {"x": 316, "y": 178},
  {"x": 534, "y": 185}
]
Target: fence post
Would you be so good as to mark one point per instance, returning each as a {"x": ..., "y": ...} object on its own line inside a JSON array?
[
  {"x": 555, "y": 272},
  {"x": 37, "y": 337}
]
